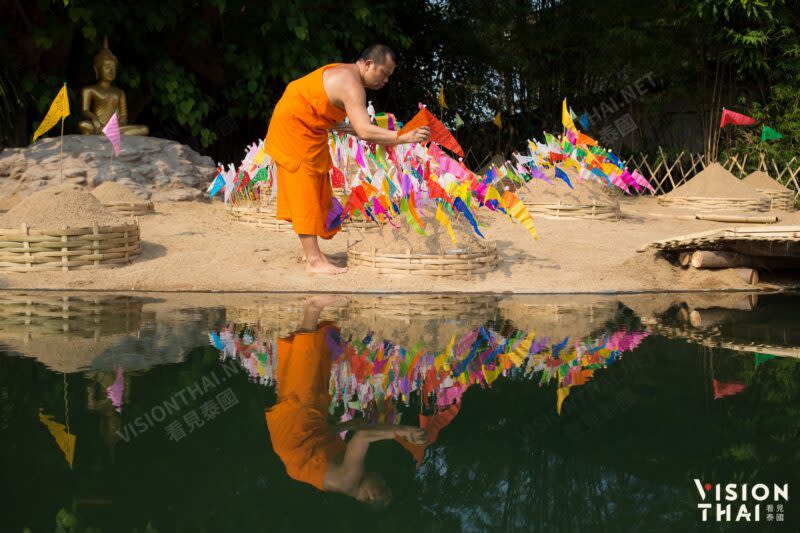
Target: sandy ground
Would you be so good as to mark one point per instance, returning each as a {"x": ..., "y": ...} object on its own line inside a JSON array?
[{"x": 192, "y": 246}]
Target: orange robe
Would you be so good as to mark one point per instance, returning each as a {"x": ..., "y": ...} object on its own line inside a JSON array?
[
  {"x": 297, "y": 139},
  {"x": 298, "y": 423}
]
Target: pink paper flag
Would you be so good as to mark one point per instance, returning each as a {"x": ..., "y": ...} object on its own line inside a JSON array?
[
  {"x": 115, "y": 390},
  {"x": 111, "y": 131}
]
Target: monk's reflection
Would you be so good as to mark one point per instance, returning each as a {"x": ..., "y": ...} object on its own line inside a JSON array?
[{"x": 308, "y": 445}]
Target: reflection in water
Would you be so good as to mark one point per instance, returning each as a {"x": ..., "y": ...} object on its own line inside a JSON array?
[
  {"x": 514, "y": 428},
  {"x": 362, "y": 379},
  {"x": 309, "y": 447}
]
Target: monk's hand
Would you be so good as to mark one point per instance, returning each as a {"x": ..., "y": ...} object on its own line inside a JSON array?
[
  {"x": 412, "y": 434},
  {"x": 419, "y": 135}
]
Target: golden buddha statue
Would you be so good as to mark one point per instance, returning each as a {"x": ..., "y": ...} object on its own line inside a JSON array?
[{"x": 99, "y": 101}]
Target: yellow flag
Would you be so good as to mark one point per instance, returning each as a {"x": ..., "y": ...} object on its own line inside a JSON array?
[
  {"x": 523, "y": 216},
  {"x": 444, "y": 221},
  {"x": 498, "y": 120},
  {"x": 492, "y": 194},
  {"x": 569, "y": 162},
  {"x": 382, "y": 120},
  {"x": 64, "y": 439},
  {"x": 260, "y": 155},
  {"x": 561, "y": 395},
  {"x": 519, "y": 353},
  {"x": 566, "y": 119},
  {"x": 59, "y": 110},
  {"x": 441, "y": 97}
]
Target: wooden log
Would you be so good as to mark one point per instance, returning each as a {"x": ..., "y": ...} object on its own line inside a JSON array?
[
  {"x": 749, "y": 275},
  {"x": 719, "y": 259},
  {"x": 703, "y": 318},
  {"x": 738, "y": 219},
  {"x": 685, "y": 258}
]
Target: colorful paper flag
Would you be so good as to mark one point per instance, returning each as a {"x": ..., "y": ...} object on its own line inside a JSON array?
[
  {"x": 498, "y": 120},
  {"x": 768, "y": 134},
  {"x": 737, "y": 119},
  {"x": 566, "y": 119},
  {"x": 442, "y": 103},
  {"x": 111, "y": 131},
  {"x": 439, "y": 134},
  {"x": 59, "y": 110}
]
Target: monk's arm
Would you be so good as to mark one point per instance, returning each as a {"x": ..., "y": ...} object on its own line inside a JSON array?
[
  {"x": 355, "y": 103},
  {"x": 344, "y": 477},
  {"x": 344, "y": 127}
]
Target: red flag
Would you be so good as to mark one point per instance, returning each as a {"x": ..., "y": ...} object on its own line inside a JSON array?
[
  {"x": 355, "y": 202},
  {"x": 337, "y": 178},
  {"x": 722, "y": 389},
  {"x": 439, "y": 134},
  {"x": 436, "y": 191},
  {"x": 244, "y": 179},
  {"x": 737, "y": 119},
  {"x": 555, "y": 158}
]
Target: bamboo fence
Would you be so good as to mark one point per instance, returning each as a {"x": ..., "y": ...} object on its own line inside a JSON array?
[
  {"x": 714, "y": 203},
  {"x": 27, "y": 250},
  {"x": 594, "y": 210},
  {"x": 435, "y": 265},
  {"x": 666, "y": 173}
]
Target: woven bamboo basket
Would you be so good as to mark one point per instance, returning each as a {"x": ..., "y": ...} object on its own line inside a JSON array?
[
  {"x": 701, "y": 203},
  {"x": 435, "y": 265},
  {"x": 27, "y": 250},
  {"x": 779, "y": 200},
  {"x": 261, "y": 215},
  {"x": 558, "y": 210},
  {"x": 361, "y": 226},
  {"x": 91, "y": 315},
  {"x": 130, "y": 209},
  {"x": 410, "y": 307}
]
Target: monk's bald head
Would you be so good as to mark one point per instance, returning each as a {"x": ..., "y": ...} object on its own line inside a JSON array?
[
  {"x": 376, "y": 64},
  {"x": 378, "y": 54}
]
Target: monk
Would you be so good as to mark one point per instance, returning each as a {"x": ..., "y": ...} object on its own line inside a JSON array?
[
  {"x": 306, "y": 443},
  {"x": 297, "y": 140}
]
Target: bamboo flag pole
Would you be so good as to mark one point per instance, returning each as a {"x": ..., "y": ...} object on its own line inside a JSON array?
[{"x": 61, "y": 157}]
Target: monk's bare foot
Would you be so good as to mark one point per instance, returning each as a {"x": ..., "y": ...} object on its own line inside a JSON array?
[
  {"x": 330, "y": 258},
  {"x": 323, "y": 266}
]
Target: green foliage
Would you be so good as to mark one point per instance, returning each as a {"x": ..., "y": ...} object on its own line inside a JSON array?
[{"x": 231, "y": 60}]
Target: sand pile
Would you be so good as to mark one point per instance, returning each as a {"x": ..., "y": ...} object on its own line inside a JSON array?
[
  {"x": 715, "y": 182},
  {"x": 761, "y": 180},
  {"x": 584, "y": 192},
  {"x": 111, "y": 191},
  {"x": 59, "y": 206},
  {"x": 404, "y": 238}
]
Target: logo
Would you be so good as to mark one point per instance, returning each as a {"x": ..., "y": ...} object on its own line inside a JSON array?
[{"x": 740, "y": 502}]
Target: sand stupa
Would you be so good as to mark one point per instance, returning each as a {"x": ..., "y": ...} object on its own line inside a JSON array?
[
  {"x": 587, "y": 198},
  {"x": 781, "y": 197},
  {"x": 64, "y": 228},
  {"x": 405, "y": 252},
  {"x": 716, "y": 189},
  {"x": 122, "y": 199}
]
